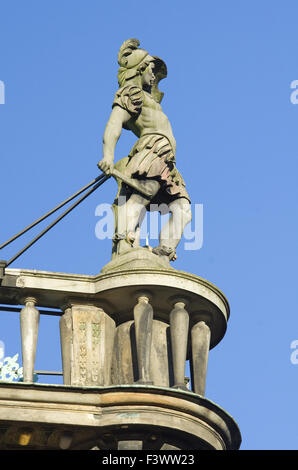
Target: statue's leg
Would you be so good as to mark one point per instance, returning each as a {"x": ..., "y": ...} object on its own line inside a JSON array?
[
  {"x": 119, "y": 217},
  {"x": 131, "y": 214},
  {"x": 138, "y": 228},
  {"x": 171, "y": 233},
  {"x": 135, "y": 206}
]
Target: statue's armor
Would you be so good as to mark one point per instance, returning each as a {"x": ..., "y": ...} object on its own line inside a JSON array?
[{"x": 153, "y": 155}]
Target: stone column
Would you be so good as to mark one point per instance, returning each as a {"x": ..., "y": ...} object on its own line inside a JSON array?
[
  {"x": 200, "y": 339},
  {"x": 179, "y": 322},
  {"x": 29, "y": 318},
  {"x": 143, "y": 317}
]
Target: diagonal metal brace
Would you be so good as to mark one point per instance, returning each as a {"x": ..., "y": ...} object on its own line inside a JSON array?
[{"x": 133, "y": 183}]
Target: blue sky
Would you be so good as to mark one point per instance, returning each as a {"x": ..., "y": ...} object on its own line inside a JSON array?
[{"x": 227, "y": 94}]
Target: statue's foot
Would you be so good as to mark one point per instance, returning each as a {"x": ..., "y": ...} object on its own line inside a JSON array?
[
  {"x": 165, "y": 251},
  {"x": 129, "y": 237}
]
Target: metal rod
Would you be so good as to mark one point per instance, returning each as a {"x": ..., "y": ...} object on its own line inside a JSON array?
[
  {"x": 58, "y": 219},
  {"x": 42, "y": 312},
  {"x": 10, "y": 309},
  {"x": 47, "y": 372},
  {"x": 100, "y": 177}
]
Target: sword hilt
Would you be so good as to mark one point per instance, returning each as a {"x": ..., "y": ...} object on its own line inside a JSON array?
[{"x": 133, "y": 183}]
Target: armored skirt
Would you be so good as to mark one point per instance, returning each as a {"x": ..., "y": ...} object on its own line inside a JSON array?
[{"x": 152, "y": 157}]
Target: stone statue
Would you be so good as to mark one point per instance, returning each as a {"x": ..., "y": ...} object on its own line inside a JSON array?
[{"x": 147, "y": 178}]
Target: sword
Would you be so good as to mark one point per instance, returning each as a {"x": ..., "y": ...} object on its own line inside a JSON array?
[{"x": 133, "y": 183}]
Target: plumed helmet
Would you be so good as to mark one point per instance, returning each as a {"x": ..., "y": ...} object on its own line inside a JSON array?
[
  {"x": 129, "y": 55},
  {"x": 134, "y": 60}
]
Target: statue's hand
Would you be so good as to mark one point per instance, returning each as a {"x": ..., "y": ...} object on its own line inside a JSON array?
[{"x": 106, "y": 166}]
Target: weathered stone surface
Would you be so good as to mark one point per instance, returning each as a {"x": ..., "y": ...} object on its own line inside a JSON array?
[
  {"x": 125, "y": 367},
  {"x": 116, "y": 292},
  {"x": 66, "y": 339},
  {"x": 97, "y": 309},
  {"x": 200, "y": 339},
  {"x": 87, "y": 337},
  {"x": 124, "y": 363},
  {"x": 179, "y": 418},
  {"x": 143, "y": 317},
  {"x": 179, "y": 322},
  {"x": 29, "y": 319},
  {"x": 140, "y": 257},
  {"x": 161, "y": 359}
]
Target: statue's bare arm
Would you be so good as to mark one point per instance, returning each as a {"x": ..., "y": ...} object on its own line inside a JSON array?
[{"x": 117, "y": 119}]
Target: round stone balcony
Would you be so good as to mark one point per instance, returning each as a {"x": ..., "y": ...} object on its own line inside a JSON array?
[
  {"x": 112, "y": 418},
  {"x": 126, "y": 335}
]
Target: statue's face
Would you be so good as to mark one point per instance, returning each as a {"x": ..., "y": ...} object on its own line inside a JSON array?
[{"x": 148, "y": 76}]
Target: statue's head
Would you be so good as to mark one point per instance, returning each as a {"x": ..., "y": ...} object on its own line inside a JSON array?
[{"x": 134, "y": 62}]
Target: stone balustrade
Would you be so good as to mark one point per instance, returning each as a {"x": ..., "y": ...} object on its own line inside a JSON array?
[{"x": 127, "y": 334}]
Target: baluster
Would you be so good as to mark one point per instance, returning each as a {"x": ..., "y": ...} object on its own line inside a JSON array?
[
  {"x": 29, "y": 317},
  {"x": 143, "y": 317},
  {"x": 179, "y": 323},
  {"x": 200, "y": 339}
]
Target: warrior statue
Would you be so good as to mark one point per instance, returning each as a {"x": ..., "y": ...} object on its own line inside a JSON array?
[{"x": 150, "y": 165}]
